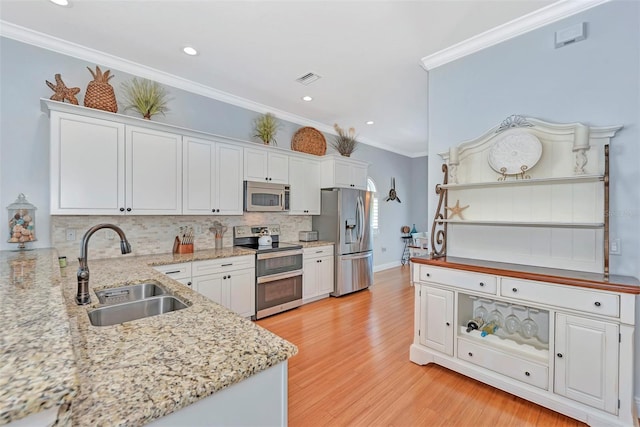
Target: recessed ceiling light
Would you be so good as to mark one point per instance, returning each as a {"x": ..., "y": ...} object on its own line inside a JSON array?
[
  {"x": 307, "y": 98},
  {"x": 60, "y": 2},
  {"x": 370, "y": 122},
  {"x": 190, "y": 51}
]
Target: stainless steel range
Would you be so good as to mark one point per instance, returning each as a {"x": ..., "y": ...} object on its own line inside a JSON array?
[{"x": 278, "y": 269}]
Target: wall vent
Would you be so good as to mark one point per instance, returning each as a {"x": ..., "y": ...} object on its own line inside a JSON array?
[{"x": 307, "y": 79}]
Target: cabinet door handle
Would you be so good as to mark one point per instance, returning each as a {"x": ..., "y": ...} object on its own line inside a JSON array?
[
  {"x": 189, "y": 284},
  {"x": 481, "y": 284},
  {"x": 597, "y": 304},
  {"x": 470, "y": 354},
  {"x": 121, "y": 209},
  {"x": 559, "y": 355},
  {"x": 269, "y": 179},
  {"x": 224, "y": 277},
  {"x": 527, "y": 374},
  {"x": 428, "y": 274},
  {"x": 172, "y": 272},
  {"x": 226, "y": 265},
  {"x": 229, "y": 277},
  {"x": 128, "y": 209},
  {"x": 514, "y": 289},
  {"x": 448, "y": 324},
  {"x": 266, "y": 178}
]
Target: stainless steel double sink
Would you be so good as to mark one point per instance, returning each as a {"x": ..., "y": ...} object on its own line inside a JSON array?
[{"x": 133, "y": 302}]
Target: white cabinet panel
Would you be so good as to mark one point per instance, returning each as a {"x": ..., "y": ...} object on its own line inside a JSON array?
[
  {"x": 211, "y": 286},
  {"x": 99, "y": 167},
  {"x": 343, "y": 173},
  {"x": 261, "y": 165},
  {"x": 241, "y": 292},
  {"x": 212, "y": 183},
  {"x": 304, "y": 176},
  {"x": 587, "y": 361},
  {"x": 228, "y": 281},
  {"x": 436, "y": 319},
  {"x": 318, "y": 272},
  {"x": 153, "y": 172},
  {"x": 87, "y": 165}
]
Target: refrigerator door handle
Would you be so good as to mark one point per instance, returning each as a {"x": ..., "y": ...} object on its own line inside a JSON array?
[
  {"x": 360, "y": 219},
  {"x": 356, "y": 256}
]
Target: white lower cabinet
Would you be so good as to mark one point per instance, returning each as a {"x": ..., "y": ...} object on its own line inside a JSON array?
[
  {"x": 577, "y": 358},
  {"x": 318, "y": 277},
  {"x": 436, "y": 319},
  {"x": 586, "y": 361},
  {"x": 228, "y": 281}
]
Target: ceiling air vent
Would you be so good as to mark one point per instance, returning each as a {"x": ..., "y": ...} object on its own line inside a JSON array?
[{"x": 307, "y": 79}]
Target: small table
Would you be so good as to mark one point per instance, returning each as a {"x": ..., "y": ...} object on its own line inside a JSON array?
[{"x": 405, "y": 250}]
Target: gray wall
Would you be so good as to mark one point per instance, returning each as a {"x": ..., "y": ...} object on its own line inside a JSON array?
[
  {"x": 595, "y": 81},
  {"x": 24, "y": 140}
]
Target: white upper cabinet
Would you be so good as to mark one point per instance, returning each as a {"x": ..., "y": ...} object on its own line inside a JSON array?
[
  {"x": 262, "y": 165},
  {"x": 153, "y": 172},
  {"x": 344, "y": 173},
  {"x": 100, "y": 167},
  {"x": 212, "y": 179},
  {"x": 304, "y": 176},
  {"x": 87, "y": 165}
]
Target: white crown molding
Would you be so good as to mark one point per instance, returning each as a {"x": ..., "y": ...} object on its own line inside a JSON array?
[
  {"x": 84, "y": 53},
  {"x": 539, "y": 18}
]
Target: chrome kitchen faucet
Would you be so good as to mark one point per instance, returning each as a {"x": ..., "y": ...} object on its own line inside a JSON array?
[{"x": 83, "y": 297}]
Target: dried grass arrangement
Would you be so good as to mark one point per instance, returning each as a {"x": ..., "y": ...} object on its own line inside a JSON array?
[
  {"x": 145, "y": 96},
  {"x": 345, "y": 143},
  {"x": 265, "y": 128}
]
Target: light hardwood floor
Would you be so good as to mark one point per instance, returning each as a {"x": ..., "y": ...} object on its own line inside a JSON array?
[{"x": 353, "y": 368}]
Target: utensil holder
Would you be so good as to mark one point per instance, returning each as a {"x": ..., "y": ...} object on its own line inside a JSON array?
[
  {"x": 218, "y": 241},
  {"x": 182, "y": 248}
]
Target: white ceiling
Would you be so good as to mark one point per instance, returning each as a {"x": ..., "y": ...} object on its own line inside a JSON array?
[{"x": 367, "y": 52}]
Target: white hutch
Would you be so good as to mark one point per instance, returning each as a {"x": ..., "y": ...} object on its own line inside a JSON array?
[{"x": 516, "y": 292}]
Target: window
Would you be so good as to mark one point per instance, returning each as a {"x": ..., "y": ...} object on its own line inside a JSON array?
[{"x": 371, "y": 186}]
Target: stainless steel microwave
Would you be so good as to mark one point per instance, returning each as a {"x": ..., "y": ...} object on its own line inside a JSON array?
[{"x": 265, "y": 197}]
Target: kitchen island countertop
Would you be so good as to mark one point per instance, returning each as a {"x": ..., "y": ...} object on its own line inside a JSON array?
[{"x": 135, "y": 372}]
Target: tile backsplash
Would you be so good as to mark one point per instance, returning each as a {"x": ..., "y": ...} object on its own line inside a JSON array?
[{"x": 155, "y": 234}]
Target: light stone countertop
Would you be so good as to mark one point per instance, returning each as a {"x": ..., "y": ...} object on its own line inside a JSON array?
[
  {"x": 37, "y": 364},
  {"x": 314, "y": 244},
  {"x": 132, "y": 373}
]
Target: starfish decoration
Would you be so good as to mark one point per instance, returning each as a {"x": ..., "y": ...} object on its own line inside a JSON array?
[
  {"x": 63, "y": 92},
  {"x": 457, "y": 210}
]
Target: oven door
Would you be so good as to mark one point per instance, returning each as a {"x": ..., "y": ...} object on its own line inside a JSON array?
[
  {"x": 278, "y": 292},
  {"x": 270, "y": 263}
]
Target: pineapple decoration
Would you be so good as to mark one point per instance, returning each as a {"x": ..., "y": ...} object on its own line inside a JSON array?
[{"x": 100, "y": 94}]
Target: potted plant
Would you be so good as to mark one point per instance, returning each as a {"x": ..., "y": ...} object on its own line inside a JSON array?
[
  {"x": 145, "y": 96},
  {"x": 344, "y": 143},
  {"x": 265, "y": 128}
]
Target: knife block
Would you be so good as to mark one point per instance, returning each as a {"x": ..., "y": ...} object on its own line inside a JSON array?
[{"x": 182, "y": 248}]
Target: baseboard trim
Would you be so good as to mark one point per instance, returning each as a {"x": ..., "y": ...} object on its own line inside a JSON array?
[{"x": 386, "y": 266}]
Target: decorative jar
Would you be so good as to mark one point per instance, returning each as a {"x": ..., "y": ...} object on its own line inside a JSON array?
[{"x": 22, "y": 227}]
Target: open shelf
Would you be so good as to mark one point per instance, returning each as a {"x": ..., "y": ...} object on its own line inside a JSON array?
[
  {"x": 533, "y": 181},
  {"x": 525, "y": 223}
]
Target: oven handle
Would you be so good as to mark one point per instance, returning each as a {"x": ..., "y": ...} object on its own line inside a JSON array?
[
  {"x": 274, "y": 277},
  {"x": 279, "y": 254}
]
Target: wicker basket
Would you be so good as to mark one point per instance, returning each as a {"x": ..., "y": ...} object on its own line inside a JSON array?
[{"x": 309, "y": 140}]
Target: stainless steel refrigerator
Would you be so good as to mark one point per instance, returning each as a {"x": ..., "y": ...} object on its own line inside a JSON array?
[{"x": 345, "y": 221}]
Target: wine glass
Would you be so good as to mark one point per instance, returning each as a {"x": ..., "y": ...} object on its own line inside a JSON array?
[
  {"x": 512, "y": 323},
  {"x": 496, "y": 317},
  {"x": 528, "y": 328},
  {"x": 481, "y": 312}
]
